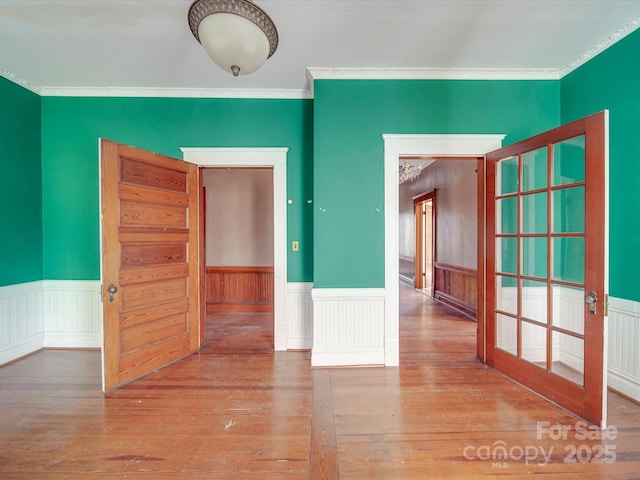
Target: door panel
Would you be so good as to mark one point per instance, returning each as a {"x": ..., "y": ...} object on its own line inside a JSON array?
[
  {"x": 546, "y": 237},
  {"x": 424, "y": 212},
  {"x": 150, "y": 258}
]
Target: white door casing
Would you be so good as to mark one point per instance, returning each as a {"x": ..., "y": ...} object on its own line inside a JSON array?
[
  {"x": 261, "y": 157},
  {"x": 396, "y": 146}
]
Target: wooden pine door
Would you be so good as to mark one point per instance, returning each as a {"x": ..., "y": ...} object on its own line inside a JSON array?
[
  {"x": 546, "y": 242},
  {"x": 150, "y": 262},
  {"x": 424, "y": 210}
]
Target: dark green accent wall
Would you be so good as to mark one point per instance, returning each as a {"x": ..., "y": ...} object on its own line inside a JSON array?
[
  {"x": 612, "y": 81},
  {"x": 20, "y": 185},
  {"x": 349, "y": 120},
  {"x": 72, "y": 126}
]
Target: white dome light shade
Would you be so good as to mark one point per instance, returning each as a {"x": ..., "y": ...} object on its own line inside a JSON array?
[
  {"x": 234, "y": 43},
  {"x": 238, "y": 35}
]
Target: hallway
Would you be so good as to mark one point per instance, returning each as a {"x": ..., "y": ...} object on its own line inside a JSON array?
[{"x": 229, "y": 413}]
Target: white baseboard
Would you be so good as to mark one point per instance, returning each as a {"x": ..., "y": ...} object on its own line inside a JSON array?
[
  {"x": 624, "y": 384},
  {"x": 343, "y": 359},
  {"x": 348, "y": 327},
  {"x": 72, "y": 340},
  {"x": 21, "y": 348}
]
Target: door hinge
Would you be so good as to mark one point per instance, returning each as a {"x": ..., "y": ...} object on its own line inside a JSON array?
[{"x": 606, "y": 305}]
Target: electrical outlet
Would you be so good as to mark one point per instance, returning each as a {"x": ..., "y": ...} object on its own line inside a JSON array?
[{"x": 295, "y": 245}]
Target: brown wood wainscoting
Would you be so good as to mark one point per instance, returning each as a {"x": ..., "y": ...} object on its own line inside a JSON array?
[
  {"x": 239, "y": 289},
  {"x": 457, "y": 287},
  {"x": 407, "y": 270}
]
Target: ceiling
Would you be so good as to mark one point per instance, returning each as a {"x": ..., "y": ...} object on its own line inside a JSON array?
[{"x": 58, "y": 46}]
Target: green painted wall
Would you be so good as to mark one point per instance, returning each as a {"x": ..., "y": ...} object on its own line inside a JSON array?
[
  {"x": 349, "y": 119},
  {"x": 70, "y": 131},
  {"x": 612, "y": 81},
  {"x": 20, "y": 185}
]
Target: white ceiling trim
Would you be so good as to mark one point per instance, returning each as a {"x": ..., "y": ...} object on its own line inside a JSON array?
[
  {"x": 324, "y": 73},
  {"x": 329, "y": 73},
  {"x": 602, "y": 46},
  {"x": 171, "y": 92},
  {"x": 9, "y": 75}
]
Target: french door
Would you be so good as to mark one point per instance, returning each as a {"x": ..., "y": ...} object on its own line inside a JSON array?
[{"x": 546, "y": 238}]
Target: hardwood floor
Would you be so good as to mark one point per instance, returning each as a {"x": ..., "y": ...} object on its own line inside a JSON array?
[{"x": 239, "y": 410}]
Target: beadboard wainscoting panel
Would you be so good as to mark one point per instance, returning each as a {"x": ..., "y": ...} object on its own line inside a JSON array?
[
  {"x": 624, "y": 347},
  {"x": 348, "y": 327},
  {"x": 299, "y": 316},
  {"x": 22, "y": 320},
  {"x": 73, "y": 314}
]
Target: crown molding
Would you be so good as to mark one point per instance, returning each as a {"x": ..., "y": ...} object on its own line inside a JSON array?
[
  {"x": 322, "y": 73},
  {"x": 602, "y": 46},
  {"x": 172, "y": 92},
  {"x": 327, "y": 73},
  {"x": 9, "y": 75}
]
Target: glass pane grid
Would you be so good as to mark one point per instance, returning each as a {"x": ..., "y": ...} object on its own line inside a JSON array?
[
  {"x": 507, "y": 176},
  {"x": 569, "y": 161},
  {"x": 534, "y": 169},
  {"x": 540, "y": 247},
  {"x": 534, "y": 344},
  {"x": 567, "y": 357}
]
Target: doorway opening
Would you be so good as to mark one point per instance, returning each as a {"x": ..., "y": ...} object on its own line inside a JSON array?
[
  {"x": 275, "y": 158},
  {"x": 396, "y": 147},
  {"x": 238, "y": 258},
  {"x": 446, "y": 237}
]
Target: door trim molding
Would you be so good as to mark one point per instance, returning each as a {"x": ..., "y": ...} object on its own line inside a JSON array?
[
  {"x": 395, "y": 146},
  {"x": 261, "y": 157}
]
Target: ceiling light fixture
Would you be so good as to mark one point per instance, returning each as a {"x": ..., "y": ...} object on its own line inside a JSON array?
[
  {"x": 237, "y": 34},
  {"x": 409, "y": 171}
]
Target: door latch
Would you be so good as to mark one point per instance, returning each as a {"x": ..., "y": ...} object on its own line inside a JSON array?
[
  {"x": 112, "y": 291},
  {"x": 591, "y": 301}
]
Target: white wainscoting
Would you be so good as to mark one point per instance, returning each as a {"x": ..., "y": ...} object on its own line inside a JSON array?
[
  {"x": 49, "y": 313},
  {"x": 348, "y": 326},
  {"x": 73, "y": 314},
  {"x": 299, "y": 316},
  {"x": 624, "y": 347},
  {"x": 22, "y": 320}
]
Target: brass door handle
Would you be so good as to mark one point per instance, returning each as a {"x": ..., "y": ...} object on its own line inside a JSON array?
[
  {"x": 112, "y": 291},
  {"x": 591, "y": 300}
]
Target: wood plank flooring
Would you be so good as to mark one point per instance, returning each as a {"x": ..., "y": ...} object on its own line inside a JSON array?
[{"x": 239, "y": 410}]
